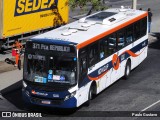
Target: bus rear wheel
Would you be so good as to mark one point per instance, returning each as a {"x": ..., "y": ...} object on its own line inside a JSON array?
[{"x": 127, "y": 70}]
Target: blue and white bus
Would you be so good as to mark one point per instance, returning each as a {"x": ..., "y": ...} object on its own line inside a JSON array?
[{"x": 65, "y": 67}]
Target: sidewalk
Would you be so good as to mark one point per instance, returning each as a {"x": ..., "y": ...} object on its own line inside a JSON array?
[
  {"x": 7, "y": 55},
  {"x": 5, "y": 82},
  {"x": 12, "y": 77}
]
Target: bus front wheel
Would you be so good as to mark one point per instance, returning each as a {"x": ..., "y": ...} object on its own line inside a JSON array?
[
  {"x": 127, "y": 69},
  {"x": 90, "y": 96}
]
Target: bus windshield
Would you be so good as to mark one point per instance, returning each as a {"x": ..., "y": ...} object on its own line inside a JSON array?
[{"x": 50, "y": 69}]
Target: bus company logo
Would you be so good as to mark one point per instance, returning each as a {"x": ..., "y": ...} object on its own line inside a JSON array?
[
  {"x": 24, "y": 7},
  {"x": 38, "y": 93},
  {"x": 115, "y": 61},
  {"x": 103, "y": 69}
]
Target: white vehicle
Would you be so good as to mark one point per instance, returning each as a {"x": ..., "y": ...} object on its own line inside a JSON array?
[{"x": 65, "y": 67}]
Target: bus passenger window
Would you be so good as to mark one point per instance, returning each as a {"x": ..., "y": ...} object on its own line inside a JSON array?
[
  {"x": 103, "y": 48},
  {"x": 129, "y": 35},
  {"x": 112, "y": 44},
  {"x": 121, "y": 39},
  {"x": 137, "y": 30},
  {"x": 143, "y": 26},
  {"x": 93, "y": 54}
]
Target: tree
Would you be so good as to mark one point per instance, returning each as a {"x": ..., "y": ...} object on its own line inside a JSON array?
[{"x": 82, "y": 4}]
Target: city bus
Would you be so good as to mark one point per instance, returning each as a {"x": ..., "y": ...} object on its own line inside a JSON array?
[{"x": 68, "y": 66}]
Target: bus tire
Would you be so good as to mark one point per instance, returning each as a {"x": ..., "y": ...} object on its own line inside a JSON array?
[
  {"x": 127, "y": 70},
  {"x": 90, "y": 96}
]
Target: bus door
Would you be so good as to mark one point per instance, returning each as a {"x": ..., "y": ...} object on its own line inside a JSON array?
[{"x": 83, "y": 69}]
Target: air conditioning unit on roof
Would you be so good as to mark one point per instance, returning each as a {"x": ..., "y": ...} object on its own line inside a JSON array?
[
  {"x": 113, "y": 19},
  {"x": 98, "y": 17}
]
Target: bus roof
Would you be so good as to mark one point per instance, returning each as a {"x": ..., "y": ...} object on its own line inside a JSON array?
[{"x": 93, "y": 27}]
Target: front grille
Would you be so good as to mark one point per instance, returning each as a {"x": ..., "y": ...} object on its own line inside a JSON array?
[{"x": 39, "y": 101}]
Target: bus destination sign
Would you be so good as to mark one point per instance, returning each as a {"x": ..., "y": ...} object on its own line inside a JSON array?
[{"x": 51, "y": 47}]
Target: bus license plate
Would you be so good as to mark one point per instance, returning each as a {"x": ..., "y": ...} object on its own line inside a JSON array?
[{"x": 45, "y": 102}]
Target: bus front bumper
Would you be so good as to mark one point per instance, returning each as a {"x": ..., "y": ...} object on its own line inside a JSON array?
[{"x": 70, "y": 102}]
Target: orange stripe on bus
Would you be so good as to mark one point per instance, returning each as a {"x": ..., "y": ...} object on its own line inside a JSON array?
[
  {"x": 132, "y": 53},
  {"x": 97, "y": 78},
  {"x": 81, "y": 45}
]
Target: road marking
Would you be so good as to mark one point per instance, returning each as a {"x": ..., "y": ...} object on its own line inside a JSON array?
[{"x": 150, "y": 106}]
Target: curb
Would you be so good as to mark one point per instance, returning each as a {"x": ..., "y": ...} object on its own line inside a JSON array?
[{"x": 1, "y": 97}]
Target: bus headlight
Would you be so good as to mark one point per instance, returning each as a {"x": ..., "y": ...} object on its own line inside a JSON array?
[
  {"x": 70, "y": 96},
  {"x": 24, "y": 84},
  {"x": 73, "y": 94},
  {"x": 66, "y": 98}
]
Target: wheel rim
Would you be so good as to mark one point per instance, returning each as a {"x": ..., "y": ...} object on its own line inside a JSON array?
[
  {"x": 90, "y": 95},
  {"x": 128, "y": 70}
]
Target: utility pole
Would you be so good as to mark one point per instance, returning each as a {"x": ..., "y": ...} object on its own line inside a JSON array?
[{"x": 134, "y": 4}]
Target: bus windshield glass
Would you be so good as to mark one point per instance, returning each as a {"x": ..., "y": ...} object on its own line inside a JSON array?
[{"x": 44, "y": 69}]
